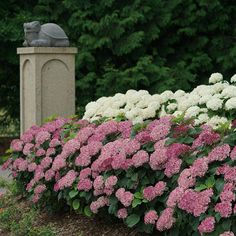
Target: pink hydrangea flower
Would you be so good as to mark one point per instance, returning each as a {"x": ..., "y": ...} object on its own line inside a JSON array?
[
  {"x": 233, "y": 154},
  {"x": 186, "y": 179},
  {"x": 159, "y": 132},
  {"x": 160, "y": 188},
  {"x": 58, "y": 163},
  {"x": 50, "y": 151},
  {"x": 125, "y": 128},
  {"x": 94, "y": 147},
  {"x": 140, "y": 158},
  {"x": 71, "y": 147},
  {"x": 174, "y": 197},
  {"x": 194, "y": 202},
  {"x": 125, "y": 197},
  {"x": 39, "y": 189},
  {"x": 158, "y": 159},
  {"x": 27, "y": 137},
  {"x": 143, "y": 137},
  {"x": 122, "y": 213},
  {"x": 46, "y": 162},
  {"x": 166, "y": 220},
  {"x": 23, "y": 165},
  {"x": 98, "y": 182},
  {"x": 176, "y": 149},
  {"x": 99, "y": 203},
  {"x": 219, "y": 153},
  {"x": 28, "y": 148},
  {"x": 229, "y": 173},
  {"x": 85, "y": 185},
  {"x": 227, "y": 196},
  {"x": 207, "y": 225},
  {"x": 7, "y": 163},
  {"x": 150, "y": 217},
  {"x": 172, "y": 166},
  {"x": 49, "y": 174},
  {"x": 32, "y": 167},
  {"x": 30, "y": 185},
  {"x": 199, "y": 167},
  {"x": 111, "y": 181},
  {"x": 130, "y": 146},
  {"x": 206, "y": 137},
  {"x": 17, "y": 145},
  {"x": 83, "y": 134},
  {"x": 107, "y": 127},
  {"x": 40, "y": 152},
  {"x": 224, "y": 208},
  {"x": 67, "y": 180},
  {"x": 85, "y": 173},
  {"x": 54, "y": 142},
  {"x": 35, "y": 198},
  {"x": 227, "y": 233},
  {"x": 38, "y": 174},
  {"x": 149, "y": 193},
  {"x": 42, "y": 136}
]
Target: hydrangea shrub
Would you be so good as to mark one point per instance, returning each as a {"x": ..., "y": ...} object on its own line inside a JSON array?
[
  {"x": 213, "y": 104},
  {"x": 165, "y": 175}
]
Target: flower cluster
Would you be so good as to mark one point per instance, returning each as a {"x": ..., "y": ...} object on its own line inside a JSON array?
[
  {"x": 144, "y": 174},
  {"x": 207, "y": 103}
]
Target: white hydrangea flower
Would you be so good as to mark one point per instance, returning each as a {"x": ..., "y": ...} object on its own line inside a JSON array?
[
  {"x": 214, "y": 104},
  {"x": 102, "y": 100},
  {"x": 137, "y": 120},
  {"x": 215, "y": 77},
  {"x": 204, "y": 99},
  {"x": 177, "y": 113},
  {"x": 204, "y": 110},
  {"x": 203, "y": 90},
  {"x": 154, "y": 105},
  {"x": 230, "y": 104},
  {"x": 179, "y": 93},
  {"x": 229, "y": 91},
  {"x": 233, "y": 79},
  {"x": 166, "y": 95},
  {"x": 203, "y": 118},
  {"x": 148, "y": 113},
  {"x": 215, "y": 121},
  {"x": 192, "y": 111},
  {"x": 163, "y": 111},
  {"x": 218, "y": 87},
  {"x": 171, "y": 107}
]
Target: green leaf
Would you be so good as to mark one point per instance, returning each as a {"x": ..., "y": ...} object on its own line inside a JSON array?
[
  {"x": 132, "y": 220},
  {"x": 73, "y": 193},
  {"x": 218, "y": 217},
  {"x": 138, "y": 195},
  {"x": 219, "y": 184},
  {"x": 87, "y": 211},
  {"x": 76, "y": 204},
  {"x": 136, "y": 202},
  {"x": 200, "y": 187},
  {"x": 210, "y": 182},
  {"x": 227, "y": 224},
  {"x": 134, "y": 177}
]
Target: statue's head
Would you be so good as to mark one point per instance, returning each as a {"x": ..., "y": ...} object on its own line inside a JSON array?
[
  {"x": 31, "y": 30},
  {"x": 33, "y": 26}
]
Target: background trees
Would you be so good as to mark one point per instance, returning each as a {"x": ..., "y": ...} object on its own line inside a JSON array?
[{"x": 140, "y": 44}]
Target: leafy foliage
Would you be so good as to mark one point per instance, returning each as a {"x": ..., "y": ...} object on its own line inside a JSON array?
[{"x": 152, "y": 44}]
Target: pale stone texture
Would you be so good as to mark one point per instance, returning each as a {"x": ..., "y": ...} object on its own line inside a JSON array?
[{"x": 47, "y": 83}]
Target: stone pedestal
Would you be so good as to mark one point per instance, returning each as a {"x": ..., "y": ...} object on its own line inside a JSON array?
[{"x": 47, "y": 83}]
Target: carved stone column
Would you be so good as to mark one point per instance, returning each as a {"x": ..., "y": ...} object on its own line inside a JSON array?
[{"x": 47, "y": 83}]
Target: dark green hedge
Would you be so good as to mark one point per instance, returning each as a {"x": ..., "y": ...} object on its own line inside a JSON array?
[{"x": 148, "y": 44}]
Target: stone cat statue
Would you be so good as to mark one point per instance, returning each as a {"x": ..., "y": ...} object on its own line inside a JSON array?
[{"x": 46, "y": 35}]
